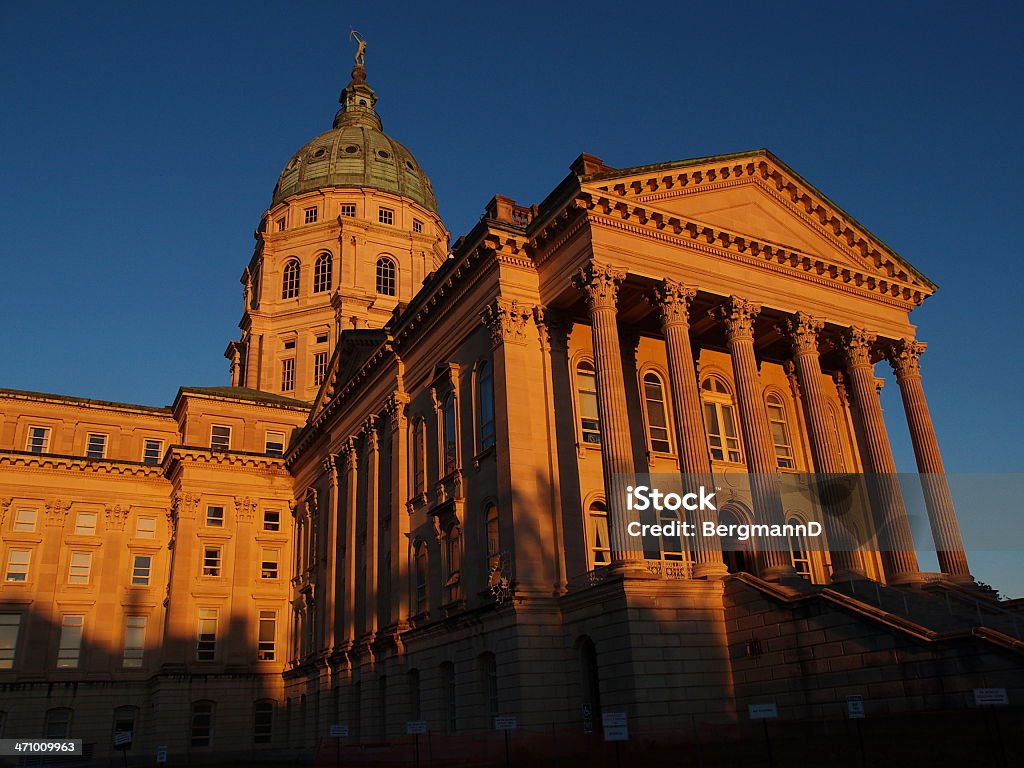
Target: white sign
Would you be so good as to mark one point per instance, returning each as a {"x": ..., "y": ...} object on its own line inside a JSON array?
[
  {"x": 413, "y": 727},
  {"x": 614, "y": 726},
  {"x": 505, "y": 724},
  {"x": 762, "y": 711},
  {"x": 122, "y": 738},
  {"x": 991, "y": 697},
  {"x": 339, "y": 731},
  {"x": 161, "y": 754},
  {"x": 855, "y": 706}
]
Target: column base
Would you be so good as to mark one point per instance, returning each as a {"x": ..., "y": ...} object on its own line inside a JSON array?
[
  {"x": 913, "y": 578},
  {"x": 848, "y": 575},
  {"x": 960, "y": 579},
  {"x": 636, "y": 569},
  {"x": 777, "y": 573},
  {"x": 710, "y": 571}
]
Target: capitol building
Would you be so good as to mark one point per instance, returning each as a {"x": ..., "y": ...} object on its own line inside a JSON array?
[{"x": 405, "y": 504}]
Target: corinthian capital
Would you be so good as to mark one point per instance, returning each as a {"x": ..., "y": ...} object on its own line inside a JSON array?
[
  {"x": 738, "y": 315},
  {"x": 671, "y": 300},
  {"x": 904, "y": 355},
  {"x": 507, "y": 321},
  {"x": 369, "y": 432},
  {"x": 802, "y": 330},
  {"x": 600, "y": 283},
  {"x": 857, "y": 344}
]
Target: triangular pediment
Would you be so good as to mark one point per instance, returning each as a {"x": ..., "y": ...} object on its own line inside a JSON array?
[
  {"x": 354, "y": 348},
  {"x": 756, "y": 197}
]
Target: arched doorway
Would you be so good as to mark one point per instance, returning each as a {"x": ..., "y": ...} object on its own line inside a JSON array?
[{"x": 737, "y": 554}]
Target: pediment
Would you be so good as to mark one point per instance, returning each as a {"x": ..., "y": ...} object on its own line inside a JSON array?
[
  {"x": 354, "y": 348},
  {"x": 755, "y": 197}
]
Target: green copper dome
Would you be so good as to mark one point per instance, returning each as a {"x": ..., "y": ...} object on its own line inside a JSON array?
[{"x": 356, "y": 153}]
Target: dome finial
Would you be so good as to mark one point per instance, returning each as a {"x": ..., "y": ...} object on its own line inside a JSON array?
[
  {"x": 358, "y": 99},
  {"x": 360, "y": 57}
]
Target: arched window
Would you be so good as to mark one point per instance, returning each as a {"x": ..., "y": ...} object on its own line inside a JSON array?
[
  {"x": 387, "y": 276},
  {"x": 449, "y": 702},
  {"x": 600, "y": 543},
  {"x": 322, "y": 273},
  {"x": 833, "y": 424},
  {"x": 125, "y": 719},
  {"x": 263, "y": 722},
  {"x": 780, "y": 431},
  {"x": 449, "y": 439},
  {"x": 737, "y": 553},
  {"x": 290, "y": 280},
  {"x": 799, "y": 552},
  {"x": 590, "y": 682},
  {"x": 485, "y": 403},
  {"x": 202, "y": 724},
  {"x": 489, "y": 685},
  {"x": 586, "y": 387},
  {"x": 413, "y": 678},
  {"x": 453, "y": 561},
  {"x": 420, "y": 575},
  {"x": 720, "y": 421},
  {"x": 493, "y": 538},
  {"x": 57, "y": 724},
  {"x": 419, "y": 453},
  {"x": 657, "y": 414},
  {"x": 672, "y": 545}
]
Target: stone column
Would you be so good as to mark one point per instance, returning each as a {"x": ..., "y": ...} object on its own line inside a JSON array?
[
  {"x": 350, "y": 451},
  {"x": 890, "y": 515},
  {"x": 600, "y": 283},
  {"x": 330, "y": 599},
  {"x": 803, "y": 331},
  {"x": 904, "y": 357},
  {"x": 738, "y": 315},
  {"x": 396, "y": 409},
  {"x": 371, "y": 446},
  {"x": 672, "y": 302}
]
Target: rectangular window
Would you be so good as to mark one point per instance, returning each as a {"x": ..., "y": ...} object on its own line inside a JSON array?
[
  {"x": 85, "y": 524},
  {"x": 280, "y": 224},
  {"x": 70, "y": 642},
  {"x": 417, "y": 225},
  {"x": 142, "y": 566},
  {"x": 263, "y": 723},
  {"x": 386, "y": 216},
  {"x": 268, "y": 564},
  {"x": 271, "y": 520},
  {"x": 152, "y": 451},
  {"x": 211, "y": 561},
  {"x": 10, "y": 623},
  {"x": 290, "y": 344},
  {"x": 206, "y": 646},
  {"x": 25, "y": 520},
  {"x": 319, "y": 368},
  {"x": 134, "y": 641},
  {"x": 17, "y": 564},
  {"x": 309, "y": 215},
  {"x": 288, "y": 375},
  {"x": 322, "y": 338},
  {"x": 348, "y": 210},
  {"x": 215, "y": 517},
  {"x": 265, "y": 650},
  {"x": 220, "y": 438},
  {"x": 80, "y": 568},
  {"x": 96, "y": 446},
  {"x": 145, "y": 528},
  {"x": 275, "y": 443},
  {"x": 38, "y": 439}
]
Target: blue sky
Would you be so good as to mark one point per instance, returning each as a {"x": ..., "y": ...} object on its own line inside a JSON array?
[{"x": 142, "y": 141}]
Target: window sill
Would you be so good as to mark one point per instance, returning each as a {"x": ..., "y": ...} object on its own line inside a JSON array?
[{"x": 489, "y": 451}]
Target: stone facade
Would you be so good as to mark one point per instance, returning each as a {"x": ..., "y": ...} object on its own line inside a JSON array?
[{"x": 420, "y": 516}]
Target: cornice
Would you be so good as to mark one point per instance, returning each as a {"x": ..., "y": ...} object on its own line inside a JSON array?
[
  {"x": 54, "y": 462},
  {"x": 787, "y": 188},
  {"x": 186, "y": 454},
  {"x": 678, "y": 231}
]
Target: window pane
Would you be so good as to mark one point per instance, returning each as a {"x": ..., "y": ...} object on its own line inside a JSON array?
[
  {"x": 10, "y": 623},
  {"x": 70, "y": 642}
]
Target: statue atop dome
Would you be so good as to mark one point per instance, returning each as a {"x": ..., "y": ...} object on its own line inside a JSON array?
[{"x": 360, "y": 57}]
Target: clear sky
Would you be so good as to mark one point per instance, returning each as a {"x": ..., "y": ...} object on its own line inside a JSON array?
[{"x": 141, "y": 142}]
